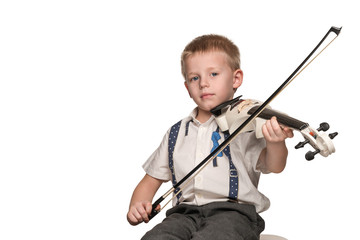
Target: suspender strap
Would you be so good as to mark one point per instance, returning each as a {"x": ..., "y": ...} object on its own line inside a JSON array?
[
  {"x": 172, "y": 141},
  {"x": 233, "y": 173}
]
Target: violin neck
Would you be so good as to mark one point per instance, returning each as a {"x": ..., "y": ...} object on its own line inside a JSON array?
[{"x": 286, "y": 120}]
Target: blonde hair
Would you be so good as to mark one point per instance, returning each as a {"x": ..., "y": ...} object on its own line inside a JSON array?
[{"x": 212, "y": 42}]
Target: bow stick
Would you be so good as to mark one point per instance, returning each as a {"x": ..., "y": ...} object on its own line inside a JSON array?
[{"x": 227, "y": 141}]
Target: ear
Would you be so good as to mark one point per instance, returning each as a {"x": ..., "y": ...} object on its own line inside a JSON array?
[
  {"x": 238, "y": 78},
  {"x": 187, "y": 88}
]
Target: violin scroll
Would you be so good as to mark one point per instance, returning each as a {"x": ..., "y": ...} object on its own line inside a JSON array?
[{"x": 319, "y": 140}]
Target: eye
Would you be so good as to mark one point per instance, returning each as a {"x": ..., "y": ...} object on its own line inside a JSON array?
[
  {"x": 194, "y": 78},
  {"x": 214, "y": 74}
]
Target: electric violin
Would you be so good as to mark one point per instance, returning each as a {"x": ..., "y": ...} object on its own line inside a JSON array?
[
  {"x": 230, "y": 115},
  {"x": 319, "y": 141}
]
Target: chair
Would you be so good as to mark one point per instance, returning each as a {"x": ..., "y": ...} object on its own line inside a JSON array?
[{"x": 271, "y": 237}]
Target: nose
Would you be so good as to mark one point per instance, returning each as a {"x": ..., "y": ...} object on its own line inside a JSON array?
[{"x": 204, "y": 82}]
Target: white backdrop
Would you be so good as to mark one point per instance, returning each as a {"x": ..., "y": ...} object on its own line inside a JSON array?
[{"x": 88, "y": 89}]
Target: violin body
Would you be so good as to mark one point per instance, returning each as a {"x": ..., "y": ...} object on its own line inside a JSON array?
[
  {"x": 235, "y": 113},
  {"x": 231, "y": 114}
]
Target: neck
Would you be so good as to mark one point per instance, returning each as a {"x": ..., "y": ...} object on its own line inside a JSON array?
[{"x": 202, "y": 116}]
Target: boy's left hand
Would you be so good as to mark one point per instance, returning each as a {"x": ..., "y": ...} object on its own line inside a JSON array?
[{"x": 274, "y": 132}]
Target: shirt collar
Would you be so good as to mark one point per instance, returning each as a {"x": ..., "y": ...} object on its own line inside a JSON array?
[{"x": 193, "y": 118}]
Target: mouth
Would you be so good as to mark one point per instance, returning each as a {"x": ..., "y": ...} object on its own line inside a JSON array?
[{"x": 206, "y": 95}]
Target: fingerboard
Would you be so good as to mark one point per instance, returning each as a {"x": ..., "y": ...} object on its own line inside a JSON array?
[{"x": 268, "y": 113}]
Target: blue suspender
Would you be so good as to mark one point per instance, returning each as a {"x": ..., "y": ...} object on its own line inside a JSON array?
[
  {"x": 233, "y": 174},
  {"x": 172, "y": 141},
  {"x": 234, "y": 179}
]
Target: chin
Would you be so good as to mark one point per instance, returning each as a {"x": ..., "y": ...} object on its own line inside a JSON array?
[
  {"x": 208, "y": 104},
  {"x": 207, "y": 107}
]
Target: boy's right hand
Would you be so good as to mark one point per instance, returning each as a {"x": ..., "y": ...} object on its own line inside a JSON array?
[
  {"x": 140, "y": 205},
  {"x": 139, "y": 212}
]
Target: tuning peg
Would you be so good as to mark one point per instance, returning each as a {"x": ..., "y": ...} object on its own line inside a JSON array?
[
  {"x": 323, "y": 127},
  {"x": 310, "y": 155},
  {"x": 332, "y": 135},
  {"x": 302, "y": 144}
]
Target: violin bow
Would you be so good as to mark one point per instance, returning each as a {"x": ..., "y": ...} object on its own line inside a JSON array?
[{"x": 197, "y": 169}]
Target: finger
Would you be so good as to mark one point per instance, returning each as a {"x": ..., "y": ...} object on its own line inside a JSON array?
[
  {"x": 143, "y": 213},
  {"x": 265, "y": 132},
  {"x": 148, "y": 208},
  {"x": 270, "y": 129},
  {"x": 133, "y": 220},
  {"x": 289, "y": 132},
  {"x": 278, "y": 131},
  {"x": 138, "y": 216}
]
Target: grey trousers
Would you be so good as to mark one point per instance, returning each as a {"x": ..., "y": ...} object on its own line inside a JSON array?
[{"x": 218, "y": 220}]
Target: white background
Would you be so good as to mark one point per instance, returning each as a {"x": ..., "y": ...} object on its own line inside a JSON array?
[{"x": 89, "y": 88}]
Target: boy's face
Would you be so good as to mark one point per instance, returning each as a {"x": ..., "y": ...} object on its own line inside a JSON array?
[{"x": 210, "y": 80}]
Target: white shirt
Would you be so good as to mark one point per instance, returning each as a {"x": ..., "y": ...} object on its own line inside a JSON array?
[{"x": 212, "y": 183}]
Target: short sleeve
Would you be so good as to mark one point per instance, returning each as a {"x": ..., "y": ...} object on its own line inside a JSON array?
[
  {"x": 261, "y": 167},
  {"x": 157, "y": 165},
  {"x": 254, "y": 148}
]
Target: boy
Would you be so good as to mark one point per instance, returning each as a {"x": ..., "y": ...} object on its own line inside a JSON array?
[{"x": 222, "y": 202}]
